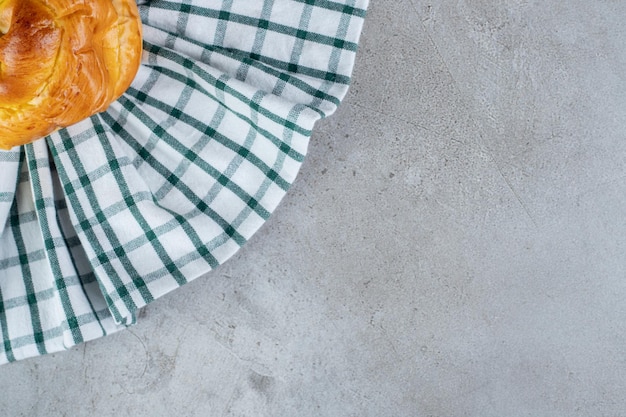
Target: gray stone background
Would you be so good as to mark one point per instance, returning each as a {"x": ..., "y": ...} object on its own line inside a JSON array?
[{"x": 454, "y": 246}]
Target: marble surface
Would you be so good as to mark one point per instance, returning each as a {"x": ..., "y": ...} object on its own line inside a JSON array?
[{"x": 455, "y": 244}]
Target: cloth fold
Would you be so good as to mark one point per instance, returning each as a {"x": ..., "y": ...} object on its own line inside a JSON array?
[{"x": 103, "y": 217}]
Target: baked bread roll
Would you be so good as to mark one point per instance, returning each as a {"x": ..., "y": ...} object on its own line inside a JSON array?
[{"x": 62, "y": 61}]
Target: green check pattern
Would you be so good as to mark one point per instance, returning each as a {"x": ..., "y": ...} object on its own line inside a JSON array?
[{"x": 99, "y": 219}]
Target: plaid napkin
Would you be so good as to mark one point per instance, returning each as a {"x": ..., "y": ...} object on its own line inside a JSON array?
[{"x": 99, "y": 219}]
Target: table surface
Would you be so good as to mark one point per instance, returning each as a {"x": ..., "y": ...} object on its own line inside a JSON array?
[{"x": 455, "y": 244}]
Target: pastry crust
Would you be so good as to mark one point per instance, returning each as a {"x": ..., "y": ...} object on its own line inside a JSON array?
[{"x": 62, "y": 61}]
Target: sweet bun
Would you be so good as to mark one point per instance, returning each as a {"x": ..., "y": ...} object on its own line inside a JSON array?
[{"x": 62, "y": 61}]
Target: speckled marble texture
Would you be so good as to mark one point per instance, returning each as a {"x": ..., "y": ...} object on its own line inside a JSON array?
[{"x": 454, "y": 246}]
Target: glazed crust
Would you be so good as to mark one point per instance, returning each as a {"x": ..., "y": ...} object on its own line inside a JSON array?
[{"x": 62, "y": 61}]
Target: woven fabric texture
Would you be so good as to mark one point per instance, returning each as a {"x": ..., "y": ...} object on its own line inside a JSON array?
[{"x": 99, "y": 219}]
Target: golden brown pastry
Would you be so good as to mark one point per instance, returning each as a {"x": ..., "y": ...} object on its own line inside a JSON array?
[{"x": 62, "y": 61}]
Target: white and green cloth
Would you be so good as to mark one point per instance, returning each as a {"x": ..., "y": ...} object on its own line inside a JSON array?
[{"x": 100, "y": 219}]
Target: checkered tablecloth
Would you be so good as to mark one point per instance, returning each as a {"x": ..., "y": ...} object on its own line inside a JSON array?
[{"x": 99, "y": 219}]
